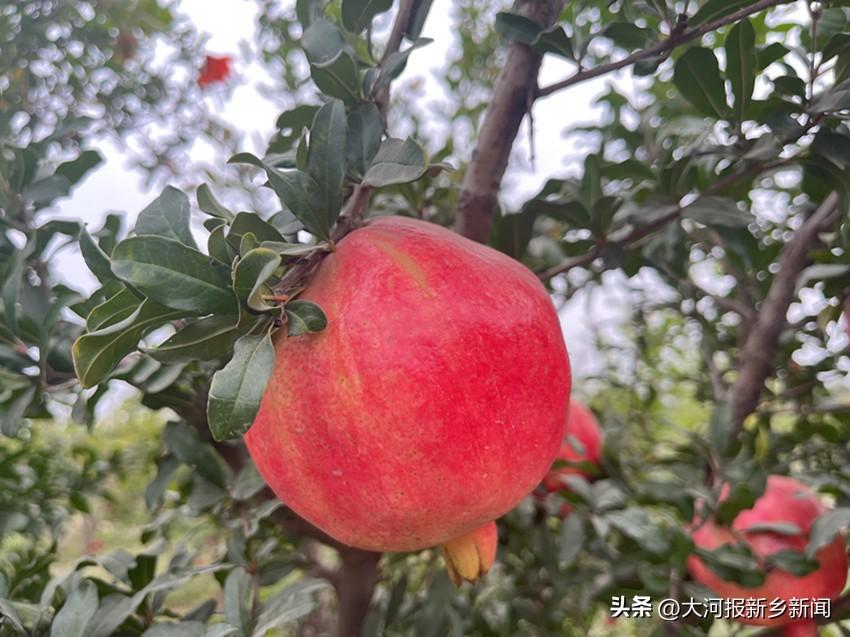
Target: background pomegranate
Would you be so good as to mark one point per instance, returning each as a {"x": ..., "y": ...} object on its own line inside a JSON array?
[
  {"x": 582, "y": 427},
  {"x": 785, "y": 500},
  {"x": 432, "y": 403}
]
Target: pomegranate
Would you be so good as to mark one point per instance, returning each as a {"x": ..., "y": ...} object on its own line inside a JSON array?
[
  {"x": 432, "y": 403},
  {"x": 785, "y": 500},
  {"x": 583, "y": 428}
]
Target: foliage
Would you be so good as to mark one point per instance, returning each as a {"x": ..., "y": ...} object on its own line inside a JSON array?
[{"x": 696, "y": 181}]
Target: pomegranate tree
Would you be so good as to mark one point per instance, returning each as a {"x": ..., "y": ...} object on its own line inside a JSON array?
[
  {"x": 792, "y": 504},
  {"x": 432, "y": 403}
]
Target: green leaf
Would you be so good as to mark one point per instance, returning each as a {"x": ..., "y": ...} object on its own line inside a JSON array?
[
  {"x": 45, "y": 191},
  {"x": 73, "y": 618},
  {"x": 570, "y": 540},
  {"x": 209, "y": 204},
  {"x": 237, "y": 599},
  {"x": 322, "y": 42},
  {"x": 12, "y": 286},
  {"x": 96, "y": 354},
  {"x": 174, "y": 274},
  {"x": 714, "y": 9},
  {"x": 770, "y": 54},
  {"x": 217, "y": 246},
  {"x": 304, "y": 317},
  {"x": 697, "y": 76},
  {"x": 301, "y": 194},
  {"x": 12, "y": 412},
  {"x": 96, "y": 259},
  {"x": 338, "y": 77},
  {"x": 741, "y": 65},
  {"x": 292, "y": 603},
  {"x": 297, "y": 190},
  {"x": 396, "y": 62},
  {"x": 290, "y": 124},
  {"x": 717, "y": 212},
  {"x": 113, "y": 310},
  {"x": 237, "y": 388},
  {"x": 793, "y": 562},
  {"x": 834, "y": 98},
  {"x": 396, "y": 162},
  {"x": 826, "y": 528},
  {"x": 164, "y": 472},
  {"x": 358, "y": 14},
  {"x": 248, "y": 483},
  {"x": 511, "y": 233},
  {"x": 629, "y": 36},
  {"x": 413, "y": 28},
  {"x": 365, "y": 129},
  {"x": 167, "y": 216},
  {"x": 516, "y": 28},
  {"x": 555, "y": 41},
  {"x": 285, "y": 249},
  {"x": 206, "y": 339},
  {"x": 733, "y": 562},
  {"x": 308, "y": 11},
  {"x": 741, "y": 496},
  {"x": 250, "y": 276},
  {"x": 246, "y": 222},
  {"x": 76, "y": 169},
  {"x": 326, "y": 158}
]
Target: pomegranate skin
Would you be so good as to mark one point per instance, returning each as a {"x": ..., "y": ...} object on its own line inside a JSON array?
[
  {"x": 432, "y": 403},
  {"x": 583, "y": 426},
  {"x": 784, "y": 500}
]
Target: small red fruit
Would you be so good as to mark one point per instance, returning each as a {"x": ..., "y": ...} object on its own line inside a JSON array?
[
  {"x": 785, "y": 500},
  {"x": 582, "y": 428},
  {"x": 216, "y": 69},
  {"x": 433, "y": 402}
]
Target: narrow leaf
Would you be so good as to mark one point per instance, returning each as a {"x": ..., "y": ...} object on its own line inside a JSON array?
[
  {"x": 167, "y": 216},
  {"x": 397, "y": 161},
  {"x": 304, "y": 317},
  {"x": 174, "y": 274},
  {"x": 237, "y": 388}
]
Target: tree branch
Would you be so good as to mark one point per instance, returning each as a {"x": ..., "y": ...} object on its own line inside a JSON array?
[
  {"x": 661, "y": 49},
  {"x": 510, "y": 101},
  {"x": 760, "y": 347}
]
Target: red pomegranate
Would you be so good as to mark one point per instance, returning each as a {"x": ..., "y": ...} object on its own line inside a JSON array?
[
  {"x": 583, "y": 428},
  {"x": 216, "y": 69},
  {"x": 432, "y": 403},
  {"x": 788, "y": 501}
]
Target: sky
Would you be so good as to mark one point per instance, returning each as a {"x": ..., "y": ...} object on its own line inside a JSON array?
[{"x": 116, "y": 186}]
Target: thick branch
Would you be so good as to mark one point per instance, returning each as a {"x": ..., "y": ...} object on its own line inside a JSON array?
[
  {"x": 760, "y": 348},
  {"x": 512, "y": 96},
  {"x": 662, "y": 49}
]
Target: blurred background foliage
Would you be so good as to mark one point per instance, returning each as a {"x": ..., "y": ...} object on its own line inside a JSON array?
[{"x": 129, "y": 519}]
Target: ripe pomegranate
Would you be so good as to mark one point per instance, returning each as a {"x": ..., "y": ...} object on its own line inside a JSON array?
[
  {"x": 216, "y": 69},
  {"x": 582, "y": 427},
  {"x": 788, "y": 501},
  {"x": 432, "y": 403}
]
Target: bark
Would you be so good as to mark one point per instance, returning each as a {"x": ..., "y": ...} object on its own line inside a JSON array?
[
  {"x": 513, "y": 94},
  {"x": 760, "y": 348}
]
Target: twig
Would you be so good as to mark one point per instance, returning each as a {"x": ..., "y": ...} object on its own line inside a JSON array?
[
  {"x": 760, "y": 348},
  {"x": 661, "y": 49},
  {"x": 512, "y": 94}
]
